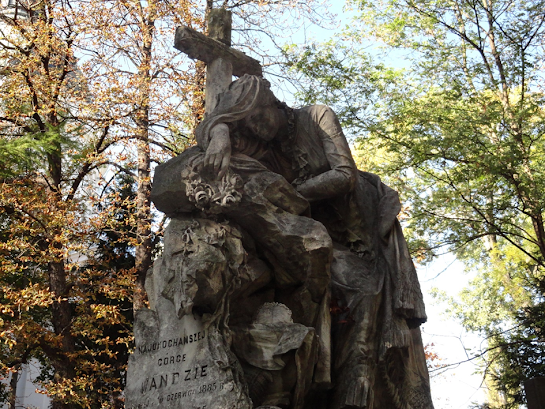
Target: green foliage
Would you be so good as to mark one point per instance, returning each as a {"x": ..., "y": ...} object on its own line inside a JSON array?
[
  {"x": 27, "y": 153},
  {"x": 104, "y": 320},
  {"x": 460, "y": 132},
  {"x": 74, "y": 319},
  {"x": 101, "y": 278},
  {"x": 342, "y": 76}
]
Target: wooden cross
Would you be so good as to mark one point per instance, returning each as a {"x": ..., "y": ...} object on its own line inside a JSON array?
[{"x": 222, "y": 61}]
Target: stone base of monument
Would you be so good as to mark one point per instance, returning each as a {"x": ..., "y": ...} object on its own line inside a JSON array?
[
  {"x": 204, "y": 343},
  {"x": 182, "y": 365},
  {"x": 182, "y": 359}
]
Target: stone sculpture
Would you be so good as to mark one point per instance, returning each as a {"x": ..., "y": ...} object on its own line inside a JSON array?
[
  {"x": 285, "y": 280},
  {"x": 289, "y": 260}
]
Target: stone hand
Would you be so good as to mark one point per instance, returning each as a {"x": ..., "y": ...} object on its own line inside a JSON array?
[{"x": 218, "y": 153}]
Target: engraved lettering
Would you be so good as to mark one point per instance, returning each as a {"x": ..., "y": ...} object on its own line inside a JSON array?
[
  {"x": 145, "y": 385},
  {"x": 164, "y": 379}
]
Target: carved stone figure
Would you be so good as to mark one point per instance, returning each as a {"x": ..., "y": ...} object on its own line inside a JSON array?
[{"x": 292, "y": 258}]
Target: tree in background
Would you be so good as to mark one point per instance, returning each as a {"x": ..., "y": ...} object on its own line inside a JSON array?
[
  {"x": 50, "y": 311},
  {"x": 41, "y": 221},
  {"x": 459, "y": 130},
  {"x": 60, "y": 142},
  {"x": 139, "y": 88},
  {"x": 90, "y": 91}
]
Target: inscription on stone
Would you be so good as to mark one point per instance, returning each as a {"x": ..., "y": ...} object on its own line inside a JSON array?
[{"x": 176, "y": 368}]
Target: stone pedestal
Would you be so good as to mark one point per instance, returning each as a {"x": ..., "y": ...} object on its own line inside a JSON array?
[
  {"x": 180, "y": 366},
  {"x": 182, "y": 358}
]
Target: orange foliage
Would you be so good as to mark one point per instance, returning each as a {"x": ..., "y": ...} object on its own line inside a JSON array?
[{"x": 90, "y": 89}]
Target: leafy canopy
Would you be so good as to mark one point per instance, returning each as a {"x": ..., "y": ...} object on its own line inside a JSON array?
[{"x": 458, "y": 129}]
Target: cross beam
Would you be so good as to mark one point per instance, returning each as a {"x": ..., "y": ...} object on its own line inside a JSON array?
[
  {"x": 222, "y": 61},
  {"x": 200, "y": 47}
]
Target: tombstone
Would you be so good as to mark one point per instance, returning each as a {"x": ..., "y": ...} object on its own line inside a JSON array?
[
  {"x": 285, "y": 280},
  {"x": 180, "y": 359},
  {"x": 535, "y": 393}
]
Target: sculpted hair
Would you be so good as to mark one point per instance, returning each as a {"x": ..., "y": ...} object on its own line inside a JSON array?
[{"x": 243, "y": 95}]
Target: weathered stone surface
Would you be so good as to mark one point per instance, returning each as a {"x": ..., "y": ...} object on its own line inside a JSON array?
[
  {"x": 219, "y": 72},
  {"x": 281, "y": 354},
  {"x": 169, "y": 191},
  {"x": 174, "y": 367},
  {"x": 182, "y": 357},
  {"x": 272, "y": 334},
  {"x": 203, "y": 48},
  {"x": 218, "y": 77},
  {"x": 219, "y": 25}
]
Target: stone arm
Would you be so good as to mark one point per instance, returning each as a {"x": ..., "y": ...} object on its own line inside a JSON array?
[
  {"x": 218, "y": 152},
  {"x": 342, "y": 176}
]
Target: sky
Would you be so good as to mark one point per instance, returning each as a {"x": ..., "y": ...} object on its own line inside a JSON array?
[{"x": 460, "y": 385}]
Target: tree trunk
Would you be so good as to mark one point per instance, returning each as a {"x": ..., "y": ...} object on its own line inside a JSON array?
[
  {"x": 61, "y": 318},
  {"x": 143, "y": 213},
  {"x": 537, "y": 222},
  {"x": 61, "y": 310},
  {"x": 13, "y": 387}
]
